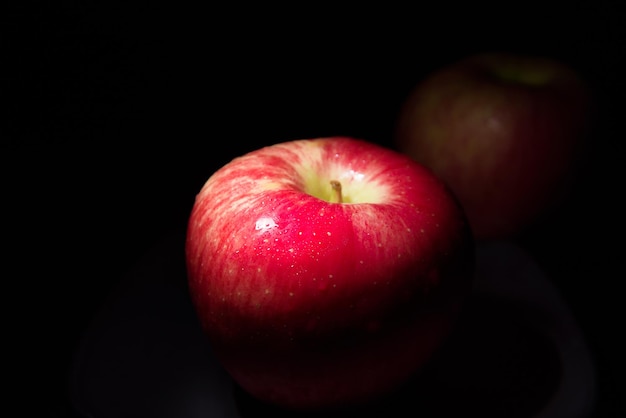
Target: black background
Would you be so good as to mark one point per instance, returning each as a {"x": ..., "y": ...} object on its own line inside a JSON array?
[{"x": 115, "y": 114}]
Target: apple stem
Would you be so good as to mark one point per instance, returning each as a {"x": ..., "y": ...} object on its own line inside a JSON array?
[{"x": 336, "y": 196}]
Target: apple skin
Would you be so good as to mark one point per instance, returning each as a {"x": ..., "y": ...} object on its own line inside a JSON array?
[
  {"x": 311, "y": 304},
  {"x": 505, "y": 131}
]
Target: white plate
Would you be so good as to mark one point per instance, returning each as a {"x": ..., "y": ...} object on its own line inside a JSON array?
[{"x": 517, "y": 347}]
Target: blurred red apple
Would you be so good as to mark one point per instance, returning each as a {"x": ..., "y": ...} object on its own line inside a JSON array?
[
  {"x": 326, "y": 272},
  {"x": 505, "y": 131}
]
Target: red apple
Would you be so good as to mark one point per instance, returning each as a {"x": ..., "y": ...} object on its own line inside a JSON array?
[
  {"x": 327, "y": 271},
  {"x": 504, "y": 131}
]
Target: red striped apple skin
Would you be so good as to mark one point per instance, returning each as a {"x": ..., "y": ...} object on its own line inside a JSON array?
[{"x": 314, "y": 300}]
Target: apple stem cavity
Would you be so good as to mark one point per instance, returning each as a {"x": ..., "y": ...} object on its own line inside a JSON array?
[{"x": 336, "y": 196}]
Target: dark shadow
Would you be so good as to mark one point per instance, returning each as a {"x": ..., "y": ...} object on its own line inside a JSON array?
[{"x": 491, "y": 366}]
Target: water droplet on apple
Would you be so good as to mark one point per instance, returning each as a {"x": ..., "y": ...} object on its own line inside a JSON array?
[{"x": 265, "y": 223}]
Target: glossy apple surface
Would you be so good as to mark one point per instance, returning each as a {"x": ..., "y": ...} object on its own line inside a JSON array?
[
  {"x": 504, "y": 131},
  {"x": 327, "y": 271}
]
